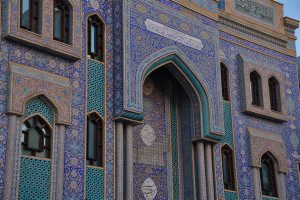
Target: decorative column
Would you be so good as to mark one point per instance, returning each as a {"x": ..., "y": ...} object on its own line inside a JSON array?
[
  {"x": 12, "y": 155},
  {"x": 281, "y": 185},
  {"x": 256, "y": 183},
  {"x": 129, "y": 162},
  {"x": 209, "y": 172},
  {"x": 201, "y": 171},
  {"x": 59, "y": 158},
  {"x": 119, "y": 161}
]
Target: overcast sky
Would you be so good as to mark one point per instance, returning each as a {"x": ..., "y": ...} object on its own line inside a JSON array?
[{"x": 292, "y": 9}]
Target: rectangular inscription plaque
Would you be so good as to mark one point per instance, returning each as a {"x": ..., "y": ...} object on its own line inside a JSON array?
[{"x": 255, "y": 9}]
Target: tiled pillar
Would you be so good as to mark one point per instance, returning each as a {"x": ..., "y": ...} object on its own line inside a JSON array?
[
  {"x": 59, "y": 157},
  {"x": 256, "y": 183},
  {"x": 201, "y": 170},
  {"x": 119, "y": 161},
  {"x": 281, "y": 185},
  {"x": 129, "y": 162},
  {"x": 12, "y": 155},
  {"x": 209, "y": 172}
]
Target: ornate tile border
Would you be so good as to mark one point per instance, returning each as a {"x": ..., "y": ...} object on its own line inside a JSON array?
[
  {"x": 135, "y": 61},
  {"x": 262, "y": 142},
  {"x": 26, "y": 82},
  {"x": 246, "y": 67}
]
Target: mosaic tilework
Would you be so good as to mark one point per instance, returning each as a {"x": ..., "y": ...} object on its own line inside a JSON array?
[
  {"x": 35, "y": 178},
  {"x": 264, "y": 141},
  {"x": 136, "y": 15},
  {"x": 188, "y": 79},
  {"x": 227, "y": 139},
  {"x": 105, "y": 10},
  {"x": 204, "y": 3},
  {"x": 45, "y": 41},
  {"x": 38, "y": 105},
  {"x": 45, "y": 62},
  {"x": 94, "y": 183},
  {"x": 38, "y": 59},
  {"x": 186, "y": 148},
  {"x": 230, "y": 195},
  {"x": 267, "y": 57},
  {"x": 27, "y": 82},
  {"x": 74, "y": 165},
  {"x": 219, "y": 172},
  {"x": 96, "y": 85},
  {"x": 174, "y": 142},
  {"x": 246, "y": 66},
  {"x": 152, "y": 161}
]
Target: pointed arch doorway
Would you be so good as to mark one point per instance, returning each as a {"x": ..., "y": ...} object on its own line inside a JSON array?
[{"x": 168, "y": 163}]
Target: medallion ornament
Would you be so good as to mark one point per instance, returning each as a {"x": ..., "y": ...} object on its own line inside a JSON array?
[
  {"x": 149, "y": 189},
  {"x": 147, "y": 134}
]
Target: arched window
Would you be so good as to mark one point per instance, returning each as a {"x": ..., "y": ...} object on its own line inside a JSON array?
[
  {"x": 36, "y": 138},
  {"x": 225, "y": 82},
  {"x": 268, "y": 176},
  {"x": 256, "y": 89},
  {"x": 274, "y": 90},
  {"x": 95, "y": 38},
  {"x": 94, "y": 140},
  {"x": 31, "y": 15},
  {"x": 228, "y": 168},
  {"x": 62, "y": 29}
]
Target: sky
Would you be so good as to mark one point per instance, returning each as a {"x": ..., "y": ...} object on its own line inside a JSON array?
[{"x": 292, "y": 9}]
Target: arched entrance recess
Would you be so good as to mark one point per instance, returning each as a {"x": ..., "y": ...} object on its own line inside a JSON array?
[
  {"x": 170, "y": 154},
  {"x": 185, "y": 74},
  {"x": 170, "y": 160}
]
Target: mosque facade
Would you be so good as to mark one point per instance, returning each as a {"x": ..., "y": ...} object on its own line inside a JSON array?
[{"x": 152, "y": 99}]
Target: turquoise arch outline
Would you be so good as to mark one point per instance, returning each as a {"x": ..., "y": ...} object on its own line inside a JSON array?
[{"x": 205, "y": 120}]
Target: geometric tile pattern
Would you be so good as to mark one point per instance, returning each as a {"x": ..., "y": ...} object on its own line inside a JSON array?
[
  {"x": 229, "y": 45},
  {"x": 39, "y": 106},
  {"x": 174, "y": 141},
  {"x": 35, "y": 179},
  {"x": 96, "y": 87},
  {"x": 264, "y": 141},
  {"x": 155, "y": 47},
  {"x": 152, "y": 161},
  {"x": 95, "y": 102},
  {"x": 227, "y": 139},
  {"x": 272, "y": 60},
  {"x": 27, "y": 82},
  {"x": 94, "y": 183},
  {"x": 230, "y": 195}
]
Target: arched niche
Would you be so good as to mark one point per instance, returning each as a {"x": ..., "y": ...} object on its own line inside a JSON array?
[{"x": 211, "y": 108}]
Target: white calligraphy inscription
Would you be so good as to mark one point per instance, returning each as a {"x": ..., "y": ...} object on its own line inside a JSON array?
[
  {"x": 149, "y": 189},
  {"x": 173, "y": 34},
  {"x": 147, "y": 134}
]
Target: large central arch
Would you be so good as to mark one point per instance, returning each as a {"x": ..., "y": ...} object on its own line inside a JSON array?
[
  {"x": 205, "y": 121},
  {"x": 210, "y": 95},
  {"x": 176, "y": 116},
  {"x": 187, "y": 78}
]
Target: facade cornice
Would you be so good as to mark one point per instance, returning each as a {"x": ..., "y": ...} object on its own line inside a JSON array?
[{"x": 254, "y": 33}]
